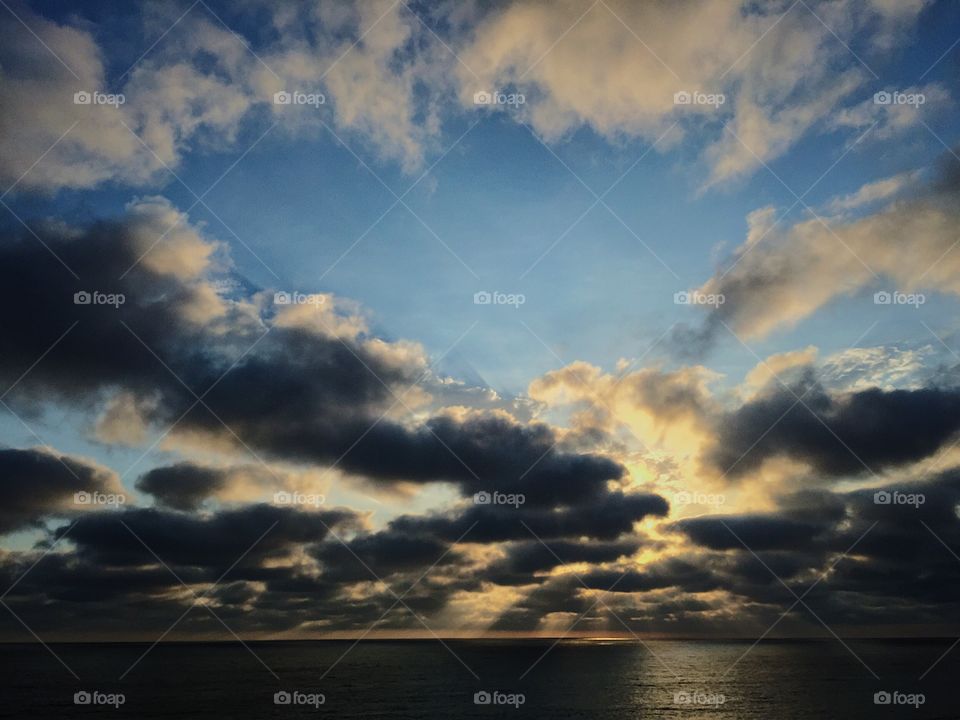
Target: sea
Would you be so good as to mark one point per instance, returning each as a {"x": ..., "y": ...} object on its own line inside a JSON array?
[{"x": 451, "y": 679}]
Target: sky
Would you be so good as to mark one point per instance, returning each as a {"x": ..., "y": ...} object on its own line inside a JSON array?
[{"x": 479, "y": 318}]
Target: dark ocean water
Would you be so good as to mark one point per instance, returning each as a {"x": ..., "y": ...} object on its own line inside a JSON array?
[{"x": 424, "y": 679}]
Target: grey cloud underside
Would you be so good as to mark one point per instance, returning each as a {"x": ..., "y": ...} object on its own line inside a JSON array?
[
  {"x": 298, "y": 395},
  {"x": 837, "y": 434},
  {"x": 183, "y": 486},
  {"x": 105, "y": 574},
  {"x": 604, "y": 518},
  {"x": 112, "y": 567},
  {"x": 886, "y": 568},
  {"x": 524, "y": 558},
  {"x": 894, "y": 556},
  {"x": 203, "y": 542},
  {"x": 36, "y": 484},
  {"x": 304, "y": 396}
]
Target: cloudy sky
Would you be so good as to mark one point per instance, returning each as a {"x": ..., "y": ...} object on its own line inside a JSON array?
[{"x": 459, "y": 318}]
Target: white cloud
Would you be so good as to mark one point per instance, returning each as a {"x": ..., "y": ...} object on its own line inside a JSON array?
[
  {"x": 793, "y": 272},
  {"x": 893, "y": 118},
  {"x": 776, "y": 370},
  {"x": 389, "y": 81},
  {"x": 885, "y": 367},
  {"x": 617, "y": 67},
  {"x": 197, "y": 87},
  {"x": 760, "y": 131},
  {"x": 873, "y": 192},
  {"x": 37, "y": 107}
]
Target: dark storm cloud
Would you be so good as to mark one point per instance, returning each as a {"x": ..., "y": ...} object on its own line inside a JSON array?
[
  {"x": 298, "y": 394},
  {"x": 758, "y": 532},
  {"x": 382, "y": 554},
  {"x": 898, "y": 567},
  {"x": 476, "y": 454},
  {"x": 885, "y": 559},
  {"x": 606, "y": 518},
  {"x": 526, "y": 558},
  {"x": 104, "y": 576},
  {"x": 213, "y": 541},
  {"x": 99, "y": 355},
  {"x": 837, "y": 435},
  {"x": 108, "y": 564},
  {"x": 309, "y": 397},
  {"x": 60, "y": 577},
  {"x": 111, "y": 572},
  {"x": 36, "y": 484},
  {"x": 768, "y": 565},
  {"x": 183, "y": 486},
  {"x": 529, "y": 562},
  {"x": 673, "y": 572}
]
